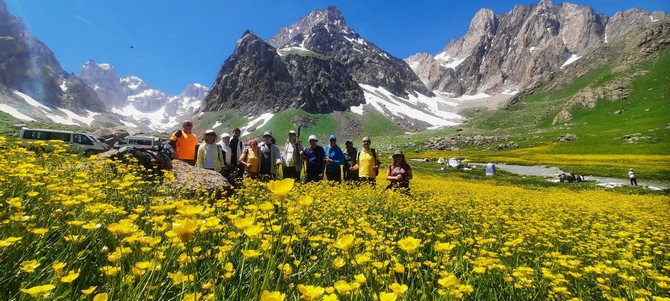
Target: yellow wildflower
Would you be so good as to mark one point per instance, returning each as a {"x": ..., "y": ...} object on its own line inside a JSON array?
[
  {"x": 272, "y": 296},
  {"x": 281, "y": 188},
  {"x": 38, "y": 290},
  {"x": 185, "y": 229}
]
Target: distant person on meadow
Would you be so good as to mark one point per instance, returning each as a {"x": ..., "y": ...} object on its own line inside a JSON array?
[
  {"x": 334, "y": 160},
  {"x": 632, "y": 177},
  {"x": 210, "y": 154},
  {"x": 367, "y": 163},
  {"x": 399, "y": 173},
  {"x": 184, "y": 143},
  {"x": 270, "y": 158},
  {"x": 250, "y": 159},
  {"x": 227, "y": 155},
  {"x": 292, "y": 157},
  {"x": 349, "y": 162},
  {"x": 314, "y": 157}
]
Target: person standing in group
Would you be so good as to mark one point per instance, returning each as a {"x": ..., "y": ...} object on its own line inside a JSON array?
[
  {"x": 236, "y": 145},
  {"x": 184, "y": 143},
  {"x": 349, "y": 162},
  {"x": 270, "y": 158},
  {"x": 367, "y": 163},
  {"x": 399, "y": 173},
  {"x": 227, "y": 155},
  {"x": 314, "y": 157},
  {"x": 292, "y": 157},
  {"x": 334, "y": 160},
  {"x": 633, "y": 178},
  {"x": 250, "y": 159},
  {"x": 210, "y": 155}
]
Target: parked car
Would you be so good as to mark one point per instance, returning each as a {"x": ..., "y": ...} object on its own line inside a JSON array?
[
  {"x": 76, "y": 142},
  {"x": 139, "y": 141}
]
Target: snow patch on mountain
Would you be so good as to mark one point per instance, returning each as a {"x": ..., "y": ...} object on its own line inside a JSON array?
[
  {"x": 14, "y": 113},
  {"x": 255, "y": 123},
  {"x": 420, "y": 108},
  {"x": 570, "y": 60},
  {"x": 31, "y": 101}
]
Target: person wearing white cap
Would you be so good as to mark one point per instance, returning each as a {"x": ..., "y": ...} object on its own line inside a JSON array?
[
  {"x": 291, "y": 157},
  {"x": 334, "y": 160},
  {"x": 210, "y": 155},
  {"x": 270, "y": 158},
  {"x": 227, "y": 154},
  {"x": 315, "y": 157}
]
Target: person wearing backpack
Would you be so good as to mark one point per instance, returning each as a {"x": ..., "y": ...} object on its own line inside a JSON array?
[
  {"x": 334, "y": 160},
  {"x": 292, "y": 157},
  {"x": 367, "y": 163},
  {"x": 350, "y": 153},
  {"x": 184, "y": 143},
  {"x": 210, "y": 154}
]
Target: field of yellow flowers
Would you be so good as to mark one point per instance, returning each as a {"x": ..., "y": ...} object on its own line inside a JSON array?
[{"x": 91, "y": 229}]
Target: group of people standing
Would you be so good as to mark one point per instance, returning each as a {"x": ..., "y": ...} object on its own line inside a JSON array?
[{"x": 262, "y": 159}]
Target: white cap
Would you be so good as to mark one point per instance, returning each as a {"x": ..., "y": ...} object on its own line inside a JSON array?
[
  {"x": 291, "y": 132},
  {"x": 210, "y": 132},
  {"x": 224, "y": 135},
  {"x": 313, "y": 137}
]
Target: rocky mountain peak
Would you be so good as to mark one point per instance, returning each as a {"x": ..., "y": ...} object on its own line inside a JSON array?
[
  {"x": 30, "y": 67},
  {"x": 105, "y": 82},
  {"x": 523, "y": 47},
  {"x": 331, "y": 18},
  {"x": 195, "y": 91}
]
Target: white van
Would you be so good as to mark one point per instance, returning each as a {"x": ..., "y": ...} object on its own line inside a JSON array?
[
  {"x": 139, "y": 141},
  {"x": 77, "y": 142}
]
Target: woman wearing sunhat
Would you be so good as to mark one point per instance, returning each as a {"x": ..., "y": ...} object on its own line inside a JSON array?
[
  {"x": 210, "y": 155},
  {"x": 399, "y": 173}
]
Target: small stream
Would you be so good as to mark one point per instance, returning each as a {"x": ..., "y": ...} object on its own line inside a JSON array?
[{"x": 551, "y": 171}]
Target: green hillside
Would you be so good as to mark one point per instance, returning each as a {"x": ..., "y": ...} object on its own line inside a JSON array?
[
  {"x": 613, "y": 135},
  {"x": 346, "y": 125}
]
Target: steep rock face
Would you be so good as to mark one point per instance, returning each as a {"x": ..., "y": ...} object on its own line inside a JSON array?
[
  {"x": 255, "y": 78},
  {"x": 186, "y": 103},
  {"x": 27, "y": 65},
  {"x": 105, "y": 81},
  {"x": 314, "y": 64},
  {"x": 326, "y": 33},
  {"x": 144, "y": 97},
  {"x": 520, "y": 49},
  {"x": 118, "y": 92}
]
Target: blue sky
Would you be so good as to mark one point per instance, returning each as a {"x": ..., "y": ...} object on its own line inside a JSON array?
[{"x": 178, "y": 42}]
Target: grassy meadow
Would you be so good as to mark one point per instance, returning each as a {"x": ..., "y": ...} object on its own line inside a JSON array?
[{"x": 74, "y": 228}]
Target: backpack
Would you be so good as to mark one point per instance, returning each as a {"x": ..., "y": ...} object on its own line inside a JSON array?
[
  {"x": 374, "y": 155},
  {"x": 150, "y": 159}
]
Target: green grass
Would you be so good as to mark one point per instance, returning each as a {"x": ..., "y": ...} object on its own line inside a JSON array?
[{"x": 6, "y": 123}]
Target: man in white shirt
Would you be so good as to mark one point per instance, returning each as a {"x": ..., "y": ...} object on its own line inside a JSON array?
[{"x": 291, "y": 157}]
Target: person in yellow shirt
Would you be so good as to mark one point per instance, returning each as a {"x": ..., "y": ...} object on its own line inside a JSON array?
[
  {"x": 184, "y": 142},
  {"x": 367, "y": 163},
  {"x": 250, "y": 158}
]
